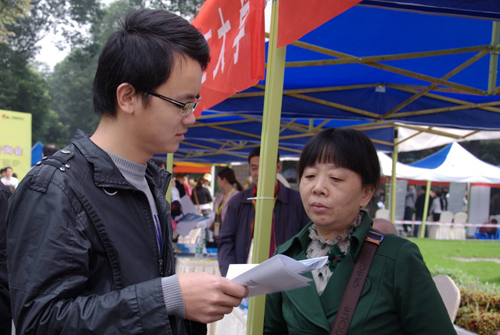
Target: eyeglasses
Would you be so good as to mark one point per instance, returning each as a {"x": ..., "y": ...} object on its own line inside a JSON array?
[{"x": 186, "y": 108}]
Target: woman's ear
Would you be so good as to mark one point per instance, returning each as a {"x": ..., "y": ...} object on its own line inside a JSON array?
[
  {"x": 126, "y": 97},
  {"x": 368, "y": 192}
]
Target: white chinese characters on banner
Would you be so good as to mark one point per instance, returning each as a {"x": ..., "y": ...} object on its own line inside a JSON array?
[
  {"x": 245, "y": 9},
  {"x": 234, "y": 31},
  {"x": 221, "y": 33}
]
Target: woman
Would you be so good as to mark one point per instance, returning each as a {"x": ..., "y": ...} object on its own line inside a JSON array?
[
  {"x": 339, "y": 172},
  {"x": 201, "y": 196},
  {"x": 226, "y": 179},
  {"x": 436, "y": 208}
]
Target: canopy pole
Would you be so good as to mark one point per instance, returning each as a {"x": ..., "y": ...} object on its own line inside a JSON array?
[
  {"x": 426, "y": 209},
  {"x": 169, "y": 164},
  {"x": 273, "y": 97},
  {"x": 393, "y": 176},
  {"x": 495, "y": 49}
]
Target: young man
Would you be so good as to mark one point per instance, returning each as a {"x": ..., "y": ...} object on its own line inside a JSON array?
[
  {"x": 89, "y": 233},
  {"x": 236, "y": 235},
  {"x": 49, "y": 149},
  {"x": 9, "y": 179}
]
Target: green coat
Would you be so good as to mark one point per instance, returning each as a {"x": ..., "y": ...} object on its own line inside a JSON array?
[{"x": 399, "y": 295}]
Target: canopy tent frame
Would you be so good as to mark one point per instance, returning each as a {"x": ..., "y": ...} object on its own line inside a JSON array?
[
  {"x": 392, "y": 116},
  {"x": 272, "y": 100}
]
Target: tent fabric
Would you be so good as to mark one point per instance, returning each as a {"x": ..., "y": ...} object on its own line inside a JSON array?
[
  {"x": 482, "y": 9},
  {"x": 350, "y": 88},
  {"x": 230, "y": 138},
  {"x": 403, "y": 171},
  {"x": 412, "y": 138},
  {"x": 455, "y": 164},
  {"x": 377, "y": 69},
  {"x": 36, "y": 153},
  {"x": 391, "y": 68}
]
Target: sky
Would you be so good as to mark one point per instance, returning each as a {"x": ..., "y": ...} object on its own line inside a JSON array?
[{"x": 49, "y": 54}]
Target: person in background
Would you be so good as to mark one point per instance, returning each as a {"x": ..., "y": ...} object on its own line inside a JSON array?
[
  {"x": 465, "y": 201},
  {"x": 339, "y": 171},
  {"x": 248, "y": 183},
  {"x": 410, "y": 198},
  {"x": 175, "y": 205},
  {"x": 9, "y": 179},
  {"x": 201, "y": 196},
  {"x": 237, "y": 228},
  {"x": 5, "y": 313},
  {"x": 229, "y": 186},
  {"x": 419, "y": 210},
  {"x": 49, "y": 149},
  {"x": 444, "y": 199},
  {"x": 385, "y": 226},
  {"x": 89, "y": 235},
  {"x": 435, "y": 206},
  {"x": 184, "y": 181}
]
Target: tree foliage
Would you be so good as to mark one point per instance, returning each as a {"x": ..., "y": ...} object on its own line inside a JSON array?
[
  {"x": 72, "y": 79},
  {"x": 10, "y": 11},
  {"x": 24, "y": 89}
]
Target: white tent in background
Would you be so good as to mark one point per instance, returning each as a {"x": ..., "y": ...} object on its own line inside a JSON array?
[
  {"x": 403, "y": 171},
  {"x": 412, "y": 137},
  {"x": 455, "y": 164}
]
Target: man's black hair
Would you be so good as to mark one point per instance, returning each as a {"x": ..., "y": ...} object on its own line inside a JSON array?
[
  {"x": 256, "y": 153},
  {"x": 49, "y": 149},
  {"x": 143, "y": 53}
]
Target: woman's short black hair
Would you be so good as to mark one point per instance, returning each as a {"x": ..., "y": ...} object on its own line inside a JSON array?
[
  {"x": 346, "y": 148},
  {"x": 143, "y": 52}
]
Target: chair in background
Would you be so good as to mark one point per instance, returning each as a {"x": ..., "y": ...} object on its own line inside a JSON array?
[
  {"x": 481, "y": 236},
  {"x": 449, "y": 293},
  {"x": 446, "y": 217},
  {"x": 458, "y": 232},
  {"x": 382, "y": 214},
  {"x": 497, "y": 235},
  {"x": 460, "y": 217},
  {"x": 442, "y": 232}
]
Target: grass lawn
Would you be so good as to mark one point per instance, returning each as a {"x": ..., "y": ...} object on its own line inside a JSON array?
[{"x": 477, "y": 258}]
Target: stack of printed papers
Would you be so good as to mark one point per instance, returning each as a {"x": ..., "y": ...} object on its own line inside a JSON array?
[{"x": 279, "y": 273}]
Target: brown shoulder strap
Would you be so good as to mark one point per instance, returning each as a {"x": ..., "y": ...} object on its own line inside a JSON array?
[{"x": 356, "y": 282}]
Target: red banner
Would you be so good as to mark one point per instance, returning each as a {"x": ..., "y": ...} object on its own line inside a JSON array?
[
  {"x": 298, "y": 17},
  {"x": 234, "y": 29}
]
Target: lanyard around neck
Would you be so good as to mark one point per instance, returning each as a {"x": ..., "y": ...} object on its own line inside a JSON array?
[{"x": 226, "y": 196}]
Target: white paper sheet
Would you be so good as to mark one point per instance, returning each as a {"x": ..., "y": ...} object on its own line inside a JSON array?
[
  {"x": 279, "y": 273},
  {"x": 188, "y": 206},
  {"x": 189, "y": 221}
]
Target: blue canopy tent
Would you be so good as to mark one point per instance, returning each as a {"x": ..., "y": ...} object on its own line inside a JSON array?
[
  {"x": 376, "y": 65},
  {"x": 36, "y": 153},
  {"x": 231, "y": 137},
  {"x": 381, "y": 68},
  {"x": 369, "y": 69}
]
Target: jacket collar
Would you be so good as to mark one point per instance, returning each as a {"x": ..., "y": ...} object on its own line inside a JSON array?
[
  {"x": 330, "y": 299},
  {"x": 106, "y": 174}
]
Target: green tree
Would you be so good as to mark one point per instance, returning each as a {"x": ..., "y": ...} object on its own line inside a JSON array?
[
  {"x": 10, "y": 10},
  {"x": 71, "y": 91},
  {"x": 71, "y": 82},
  {"x": 25, "y": 90}
]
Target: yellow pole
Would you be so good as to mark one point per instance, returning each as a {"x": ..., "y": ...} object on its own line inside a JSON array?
[
  {"x": 267, "y": 166},
  {"x": 393, "y": 177},
  {"x": 170, "y": 167},
  {"x": 426, "y": 209}
]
